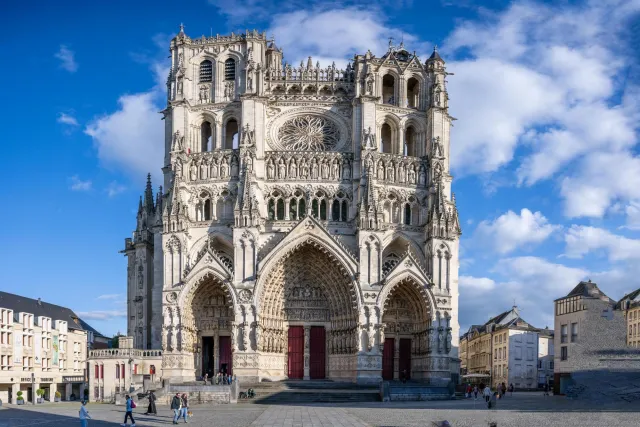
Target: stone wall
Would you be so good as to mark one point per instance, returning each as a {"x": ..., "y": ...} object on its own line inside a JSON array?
[{"x": 198, "y": 394}]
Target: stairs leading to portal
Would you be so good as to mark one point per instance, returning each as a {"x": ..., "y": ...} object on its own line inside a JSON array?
[{"x": 314, "y": 391}]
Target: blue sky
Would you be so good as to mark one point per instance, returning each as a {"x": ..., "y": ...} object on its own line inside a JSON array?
[{"x": 544, "y": 151}]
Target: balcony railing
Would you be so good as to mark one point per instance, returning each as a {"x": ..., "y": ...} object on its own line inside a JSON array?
[{"x": 123, "y": 352}]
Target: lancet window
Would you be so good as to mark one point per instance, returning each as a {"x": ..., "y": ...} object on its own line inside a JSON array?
[
  {"x": 386, "y": 138},
  {"x": 206, "y": 136},
  {"x": 230, "y": 69},
  {"x": 206, "y": 71},
  {"x": 297, "y": 206},
  {"x": 203, "y": 208},
  {"x": 411, "y": 213},
  {"x": 275, "y": 205},
  {"x": 389, "y": 89},
  {"x": 410, "y": 141},
  {"x": 319, "y": 205},
  {"x": 224, "y": 206},
  {"x": 391, "y": 208},
  {"x": 231, "y": 134},
  {"x": 340, "y": 208},
  {"x": 413, "y": 93}
]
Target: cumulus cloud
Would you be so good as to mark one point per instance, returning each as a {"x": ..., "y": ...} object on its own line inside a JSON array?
[
  {"x": 67, "y": 59},
  {"x": 102, "y": 314},
  {"x": 581, "y": 240},
  {"x": 132, "y": 137},
  {"x": 67, "y": 119},
  {"x": 335, "y": 34},
  {"x": 79, "y": 185},
  {"x": 548, "y": 79},
  {"x": 529, "y": 282},
  {"x": 511, "y": 231}
]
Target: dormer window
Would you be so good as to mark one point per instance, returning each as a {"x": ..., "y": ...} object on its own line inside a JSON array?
[
  {"x": 230, "y": 69},
  {"x": 206, "y": 71}
]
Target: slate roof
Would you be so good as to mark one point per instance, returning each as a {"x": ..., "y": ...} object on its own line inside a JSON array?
[
  {"x": 588, "y": 289},
  {"x": 632, "y": 297},
  {"x": 19, "y": 304}
]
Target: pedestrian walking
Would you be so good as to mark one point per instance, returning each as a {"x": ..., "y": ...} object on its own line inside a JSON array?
[
  {"x": 206, "y": 376},
  {"x": 475, "y": 392},
  {"x": 487, "y": 393},
  {"x": 129, "y": 412},
  {"x": 151, "y": 409},
  {"x": 511, "y": 388},
  {"x": 185, "y": 407},
  {"x": 546, "y": 389},
  {"x": 84, "y": 414},
  {"x": 176, "y": 405},
  {"x": 503, "y": 387}
]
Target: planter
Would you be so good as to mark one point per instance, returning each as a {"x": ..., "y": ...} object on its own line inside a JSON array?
[
  {"x": 20, "y": 401},
  {"x": 40, "y": 400},
  {"x": 56, "y": 399}
]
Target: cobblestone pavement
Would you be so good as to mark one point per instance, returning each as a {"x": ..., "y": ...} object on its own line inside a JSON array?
[{"x": 521, "y": 410}]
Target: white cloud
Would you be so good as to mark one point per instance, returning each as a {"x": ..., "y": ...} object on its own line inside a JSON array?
[
  {"x": 581, "y": 240},
  {"x": 67, "y": 59},
  {"x": 476, "y": 283},
  {"x": 131, "y": 138},
  {"x": 511, "y": 231},
  {"x": 109, "y": 296},
  {"x": 531, "y": 283},
  {"x": 546, "y": 77},
  {"x": 113, "y": 189},
  {"x": 67, "y": 119},
  {"x": 102, "y": 314},
  {"x": 79, "y": 185},
  {"x": 335, "y": 34}
]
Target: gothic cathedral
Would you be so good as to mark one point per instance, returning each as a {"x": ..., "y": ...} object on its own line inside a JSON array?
[{"x": 308, "y": 229}]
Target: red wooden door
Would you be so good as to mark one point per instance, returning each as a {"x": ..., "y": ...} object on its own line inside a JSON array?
[
  {"x": 316, "y": 356},
  {"x": 225, "y": 356},
  {"x": 387, "y": 359},
  {"x": 405, "y": 357},
  {"x": 296, "y": 352}
]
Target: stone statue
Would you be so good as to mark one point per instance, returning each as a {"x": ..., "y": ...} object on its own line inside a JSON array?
[
  {"x": 213, "y": 173},
  {"x": 282, "y": 169},
  {"x": 422, "y": 180},
  {"x": 314, "y": 169},
  {"x": 441, "y": 338},
  {"x": 412, "y": 175},
  {"x": 346, "y": 170},
  {"x": 293, "y": 169},
  {"x": 368, "y": 139},
  {"x": 234, "y": 166},
  {"x": 270, "y": 169},
  {"x": 223, "y": 168},
  {"x": 334, "y": 169},
  {"x": 369, "y": 85},
  {"x": 324, "y": 169}
]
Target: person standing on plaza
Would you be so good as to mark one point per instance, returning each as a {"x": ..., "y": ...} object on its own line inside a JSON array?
[
  {"x": 475, "y": 392},
  {"x": 546, "y": 389},
  {"x": 84, "y": 414},
  {"x": 176, "y": 404},
  {"x": 511, "y": 387},
  {"x": 151, "y": 409},
  {"x": 487, "y": 393},
  {"x": 129, "y": 412},
  {"x": 206, "y": 376},
  {"x": 185, "y": 406},
  {"x": 503, "y": 388}
]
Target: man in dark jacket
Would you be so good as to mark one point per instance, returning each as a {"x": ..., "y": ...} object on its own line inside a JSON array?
[{"x": 176, "y": 404}]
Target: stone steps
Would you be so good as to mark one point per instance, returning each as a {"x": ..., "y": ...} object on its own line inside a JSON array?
[{"x": 314, "y": 391}]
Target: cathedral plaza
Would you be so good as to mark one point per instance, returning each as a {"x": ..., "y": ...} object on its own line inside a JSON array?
[{"x": 521, "y": 410}]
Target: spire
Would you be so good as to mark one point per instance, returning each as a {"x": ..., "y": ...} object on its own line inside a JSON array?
[
  {"x": 181, "y": 28},
  {"x": 435, "y": 55},
  {"x": 309, "y": 63},
  {"x": 140, "y": 206},
  {"x": 148, "y": 195}
]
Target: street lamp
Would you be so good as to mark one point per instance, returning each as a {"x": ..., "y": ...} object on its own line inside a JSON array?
[{"x": 130, "y": 375}]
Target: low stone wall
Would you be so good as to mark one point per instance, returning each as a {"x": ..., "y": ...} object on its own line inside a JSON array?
[
  {"x": 199, "y": 394},
  {"x": 414, "y": 392}
]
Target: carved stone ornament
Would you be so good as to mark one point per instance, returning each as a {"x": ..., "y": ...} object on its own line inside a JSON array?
[
  {"x": 309, "y": 133},
  {"x": 172, "y": 297},
  {"x": 245, "y": 295}
]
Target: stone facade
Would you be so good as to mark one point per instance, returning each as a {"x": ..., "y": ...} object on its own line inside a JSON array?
[
  {"x": 298, "y": 196},
  {"x": 40, "y": 352},
  {"x": 590, "y": 336},
  {"x": 116, "y": 371},
  {"x": 503, "y": 350}
]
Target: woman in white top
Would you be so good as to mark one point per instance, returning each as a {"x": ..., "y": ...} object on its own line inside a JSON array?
[
  {"x": 84, "y": 415},
  {"x": 487, "y": 393}
]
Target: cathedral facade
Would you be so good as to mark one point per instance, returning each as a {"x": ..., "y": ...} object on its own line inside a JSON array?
[{"x": 307, "y": 228}]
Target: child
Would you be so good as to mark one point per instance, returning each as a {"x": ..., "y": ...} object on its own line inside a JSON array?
[{"x": 84, "y": 414}]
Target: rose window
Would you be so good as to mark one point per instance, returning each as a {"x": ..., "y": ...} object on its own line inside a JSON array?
[{"x": 309, "y": 133}]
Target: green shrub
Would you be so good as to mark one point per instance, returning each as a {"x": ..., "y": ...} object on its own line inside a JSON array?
[
  {"x": 58, "y": 394},
  {"x": 19, "y": 395},
  {"x": 40, "y": 392}
]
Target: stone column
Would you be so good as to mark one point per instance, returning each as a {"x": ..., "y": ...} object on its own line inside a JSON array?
[
  {"x": 396, "y": 358},
  {"x": 216, "y": 355},
  {"x": 81, "y": 397},
  {"x": 307, "y": 338},
  {"x": 68, "y": 389},
  {"x": 15, "y": 388}
]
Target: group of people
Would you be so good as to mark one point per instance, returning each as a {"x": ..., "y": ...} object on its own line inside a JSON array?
[
  {"x": 485, "y": 389},
  {"x": 180, "y": 406},
  {"x": 219, "y": 379},
  {"x": 182, "y": 409}
]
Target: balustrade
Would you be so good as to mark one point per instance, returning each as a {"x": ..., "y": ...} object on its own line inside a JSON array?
[{"x": 123, "y": 352}]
